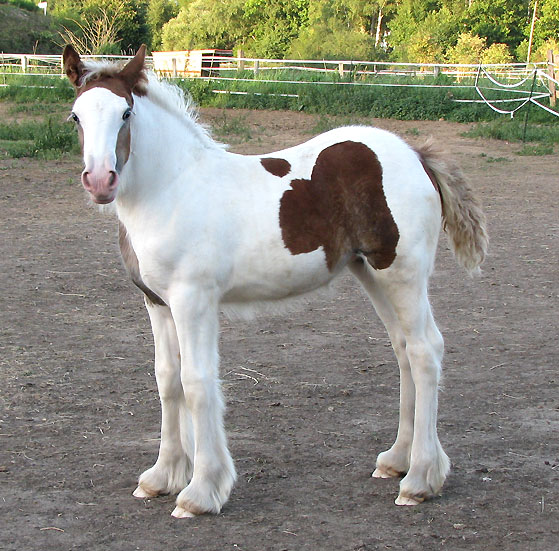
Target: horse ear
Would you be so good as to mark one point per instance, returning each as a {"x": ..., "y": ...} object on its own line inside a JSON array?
[
  {"x": 73, "y": 65},
  {"x": 133, "y": 71}
]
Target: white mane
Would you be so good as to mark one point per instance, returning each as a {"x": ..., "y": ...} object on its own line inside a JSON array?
[{"x": 180, "y": 103}]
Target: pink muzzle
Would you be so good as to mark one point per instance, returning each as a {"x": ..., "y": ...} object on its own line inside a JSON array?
[{"x": 101, "y": 183}]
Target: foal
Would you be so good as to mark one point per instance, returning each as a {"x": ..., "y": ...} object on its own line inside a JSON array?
[{"x": 200, "y": 227}]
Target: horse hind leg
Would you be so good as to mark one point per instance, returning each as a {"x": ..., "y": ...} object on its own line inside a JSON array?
[
  {"x": 173, "y": 468},
  {"x": 395, "y": 461},
  {"x": 419, "y": 345}
]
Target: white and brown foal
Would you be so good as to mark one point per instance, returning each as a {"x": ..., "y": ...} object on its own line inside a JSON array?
[{"x": 202, "y": 228}]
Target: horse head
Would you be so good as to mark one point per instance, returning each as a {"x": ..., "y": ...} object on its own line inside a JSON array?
[{"x": 103, "y": 112}]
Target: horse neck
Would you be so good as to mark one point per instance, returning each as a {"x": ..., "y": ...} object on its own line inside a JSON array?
[{"x": 165, "y": 146}]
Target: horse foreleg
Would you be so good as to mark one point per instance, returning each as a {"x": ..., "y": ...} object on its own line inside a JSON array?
[
  {"x": 173, "y": 467},
  {"x": 195, "y": 312}
]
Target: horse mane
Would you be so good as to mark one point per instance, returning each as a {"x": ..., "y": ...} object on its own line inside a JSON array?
[{"x": 166, "y": 95}]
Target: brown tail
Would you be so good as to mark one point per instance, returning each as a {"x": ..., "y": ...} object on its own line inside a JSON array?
[{"x": 463, "y": 217}]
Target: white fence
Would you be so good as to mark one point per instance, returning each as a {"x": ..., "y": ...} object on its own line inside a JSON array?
[{"x": 522, "y": 81}]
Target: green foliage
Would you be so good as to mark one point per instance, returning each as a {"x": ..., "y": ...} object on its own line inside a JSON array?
[
  {"x": 497, "y": 53},
  {"x": 427, "y": 40},
  {"x": 159, "y": 12},
  {"x": 548, "y": 21},
  {"x": 339, "y": 29},
  {"x": 26, "y": 30},
  {"x": 323, "y": 42},
  {"x": 468, "y": 49},
  {"x": 431, "y": 31},
  {"x": 498, "y": 21},
  {"x": 132, "y": 20},
  {"x": 104, "y": 26},
  {"x": 274, "y": 26},
  {"x": 28, "y": 5},
  {"x": 37, "y": 139},
  {"x": 204, "y": 24}
]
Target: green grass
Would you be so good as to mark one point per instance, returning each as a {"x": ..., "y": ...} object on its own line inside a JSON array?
[
  {"x": 513, "y": 131},
  {"x": 536, "y": 150},
  {"x": 29, "y": 89},
  {"x": 45, "y": 139},
  {"x": 232, "y": 125}
]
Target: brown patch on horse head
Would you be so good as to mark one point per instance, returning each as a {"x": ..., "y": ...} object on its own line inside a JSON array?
[
  {"x": 133, "y": 267},
  {"x": 341, "y": 208},
  {"x": 122, "y": 147},
  {"x": 122, "y": 81},
  {"x": 277, "y": 167}
]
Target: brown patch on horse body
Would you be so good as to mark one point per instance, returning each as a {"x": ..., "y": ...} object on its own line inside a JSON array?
[
  {"x": 277, "y": 167},
  {"x": 342, "y": 208},
  {"x": 132, "y": 266}
]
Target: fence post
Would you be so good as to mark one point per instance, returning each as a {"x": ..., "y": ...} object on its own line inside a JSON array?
[
  {"x": 551, "y": 73},
  {"x": 174, "y": 63},
  {"x": 341, "y": 69},
  {"x": 24, "y": 63},
  {"x": 436, "y": 71},
  {"x": 240, "y": 60},
  {"x": 256, "y": 66}
]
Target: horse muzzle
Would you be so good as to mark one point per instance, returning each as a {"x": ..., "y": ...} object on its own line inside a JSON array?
[{"x": 102, "y": 185}]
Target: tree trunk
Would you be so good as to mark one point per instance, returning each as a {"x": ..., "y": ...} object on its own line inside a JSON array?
[{"x": 379, "y": 22}]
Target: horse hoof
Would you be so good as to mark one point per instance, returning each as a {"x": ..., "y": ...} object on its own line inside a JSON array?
[
  {"x": 179, "y": 512},
  {"x": 409, "y": 501},
  {"x": 141, "y": 493},
  {"x": 386, "y": 472}
]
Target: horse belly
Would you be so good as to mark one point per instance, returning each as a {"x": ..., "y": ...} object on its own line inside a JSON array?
[{"x": 278, "y": 275}]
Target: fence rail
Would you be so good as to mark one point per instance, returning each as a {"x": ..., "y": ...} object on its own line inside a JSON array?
[
  {"x": 52, "y": 64},
  {"x": 518, "y": 79}
]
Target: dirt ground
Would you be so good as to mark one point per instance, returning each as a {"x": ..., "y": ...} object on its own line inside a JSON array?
[{"x": 312, "y": 396}]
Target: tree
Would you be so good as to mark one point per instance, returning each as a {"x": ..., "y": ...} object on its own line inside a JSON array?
[
  {"x": 407, "y": 22},
  {"x": 203, "y": 24},
  {"x": 468, "y": 49},
  {"x": 92, "y": 20},
  {"x": 98, "y": 34},
  {"x": 274, "y": 25},
  {"x": 547, "y": 23},
  {"x": 159, "y": 12},
  {"x": 339, "y": 29},
  {"x": 496, "y": 53},
  {"x": 499, "y": 21},
  {"x": 426, "y": 36}
]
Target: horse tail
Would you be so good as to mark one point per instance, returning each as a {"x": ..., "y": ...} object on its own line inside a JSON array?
[{"x": 463, "y": 217}]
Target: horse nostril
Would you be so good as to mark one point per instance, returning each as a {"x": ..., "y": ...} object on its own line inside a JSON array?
[
  {"x": 85, "y": 180},
  {"x": 112, "y": 178}
]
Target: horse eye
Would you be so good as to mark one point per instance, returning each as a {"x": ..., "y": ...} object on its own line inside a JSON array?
[
  {"x": 74, "y": 117},
  {"x": 127, "y": 114}
]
